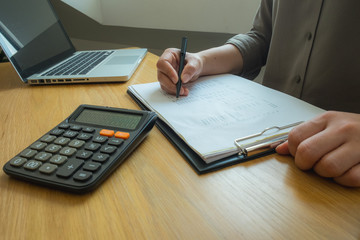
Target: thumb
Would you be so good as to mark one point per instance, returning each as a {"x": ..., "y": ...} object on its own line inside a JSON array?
[
  {"x": 283, "y": 148},
  {"x": 191, "y": 70}
]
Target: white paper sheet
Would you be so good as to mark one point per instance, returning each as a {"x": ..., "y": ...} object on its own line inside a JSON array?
[{"x": 220, "y": 109}]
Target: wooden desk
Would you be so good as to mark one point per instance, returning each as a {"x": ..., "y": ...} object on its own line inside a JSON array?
[{"x": 155, "y": 194}]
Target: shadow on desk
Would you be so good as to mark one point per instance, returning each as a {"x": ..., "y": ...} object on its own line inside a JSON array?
[
  {"x": 11, "y": 79},
  {"x": 299, "y": 183},
  {"x": 302, "y": 185},
  {"x": 21, "y": 189}
]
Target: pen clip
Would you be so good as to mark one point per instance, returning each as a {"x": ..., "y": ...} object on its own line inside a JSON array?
[{"x": 272, "y": 141}]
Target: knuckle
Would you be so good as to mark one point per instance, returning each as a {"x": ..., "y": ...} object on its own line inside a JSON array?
[
  {"x": 351, "y": 178},
  {"x": 328, "y": 115},
  {"x": 165, "y": 88},
  {"x": 329, "y": 167},
  {"x": 294, "y": 136},
  {"x": 347, "y": 128},
  {"x": 160, "y": 63},
  {"x": 305, "y": 156},
  {"x": 169, "y": 51},
  {"x": 304, "y": 149},
  {"x": 191, "y": 67},
  {"x": 160, "y": 76},
  {"x": 354, "y": 179}
]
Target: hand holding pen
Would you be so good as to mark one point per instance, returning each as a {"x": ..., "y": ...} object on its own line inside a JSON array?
[
  {"x": 168, "y": 68},
  {"x": 223, "y": 59}
]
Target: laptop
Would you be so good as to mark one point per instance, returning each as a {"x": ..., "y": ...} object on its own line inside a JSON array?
[{"x": 35, "y": 42}]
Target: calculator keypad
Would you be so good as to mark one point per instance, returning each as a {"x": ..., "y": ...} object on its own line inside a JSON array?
[{"x": 70, "y": 152}]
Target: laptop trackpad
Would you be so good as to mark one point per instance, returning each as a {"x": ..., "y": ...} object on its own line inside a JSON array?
[{"x": 116, "y": 60}]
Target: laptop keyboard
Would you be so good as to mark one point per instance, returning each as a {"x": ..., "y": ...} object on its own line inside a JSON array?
[{"x": 81, "y": 64}]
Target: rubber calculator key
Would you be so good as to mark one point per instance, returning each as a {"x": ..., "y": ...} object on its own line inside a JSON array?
[{"x": 69, "y": 168}]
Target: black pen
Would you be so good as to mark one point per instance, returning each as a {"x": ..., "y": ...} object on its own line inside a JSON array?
[{"x": 181, "y": 65}]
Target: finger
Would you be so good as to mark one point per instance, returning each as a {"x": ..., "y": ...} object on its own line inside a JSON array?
[
  {"x": 314, "y": 148},
  {"x": 338, "y": 161},
  {"x": 304, "y": 131},
  {"x": 304, "y": 142},
  {"x": 167, "y": 70},
  {"x": 168, "y": 65},
  {"x": 169, "y": 87},
  {"x": 184, "y": 91},
  {"x": 166, "y": 84},
  {"x": 351, "y": 178},
  {"x": 171, "y": 55},
  {"x": 191, "y": 70},
  {"x": 283, "y": 148}
]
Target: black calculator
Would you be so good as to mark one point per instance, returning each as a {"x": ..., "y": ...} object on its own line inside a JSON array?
[{"x": 80, "y": 152}]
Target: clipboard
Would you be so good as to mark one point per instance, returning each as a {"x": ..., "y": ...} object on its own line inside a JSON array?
[
  {"x": 269, "y": 142},
  {"x": 259, "y": 149}
]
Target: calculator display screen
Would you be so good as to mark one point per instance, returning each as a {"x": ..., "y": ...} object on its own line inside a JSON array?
[{"x": 109, "y": 118}]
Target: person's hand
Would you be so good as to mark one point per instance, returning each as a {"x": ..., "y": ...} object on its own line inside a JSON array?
[
  {"x": 168, "y": 66},
  {"x": 330, "y": 144},
  {"x": 223, "y": 59}
]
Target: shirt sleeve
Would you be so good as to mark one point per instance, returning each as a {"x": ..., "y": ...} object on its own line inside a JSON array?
[{"x": 254, "y": 45}]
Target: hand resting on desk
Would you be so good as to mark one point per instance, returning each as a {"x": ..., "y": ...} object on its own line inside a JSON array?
[{"x": 330, "y": 144}]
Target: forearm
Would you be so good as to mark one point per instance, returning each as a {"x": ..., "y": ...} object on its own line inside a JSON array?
[{"x": 223, "y": 59}]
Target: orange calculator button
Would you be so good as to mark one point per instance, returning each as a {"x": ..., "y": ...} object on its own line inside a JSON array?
[
  {"x": 123, "y": 135},
  {"x": 107, "y": 133}
]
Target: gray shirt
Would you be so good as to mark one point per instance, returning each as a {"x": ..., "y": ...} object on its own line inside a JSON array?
[{"x": 311, "y": 50}]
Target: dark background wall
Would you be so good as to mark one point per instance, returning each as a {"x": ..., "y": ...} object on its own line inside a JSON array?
[{"x": 88, "y": 34}]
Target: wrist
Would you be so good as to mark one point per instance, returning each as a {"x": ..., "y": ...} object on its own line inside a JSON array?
[
  {"x": 223, "y": 59},
  {"x": 202, "y": 59}
]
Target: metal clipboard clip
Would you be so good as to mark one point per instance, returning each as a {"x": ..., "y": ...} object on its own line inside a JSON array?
[{"x": 268, "y": 142}]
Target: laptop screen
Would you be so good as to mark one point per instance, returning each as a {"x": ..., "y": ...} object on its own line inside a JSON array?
[{"x": 32, "y": 36}]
